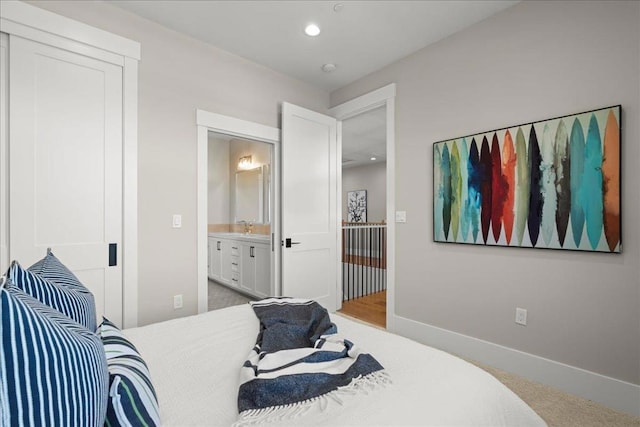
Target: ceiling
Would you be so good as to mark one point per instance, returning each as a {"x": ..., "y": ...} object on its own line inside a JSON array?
[
  {"x": 364, "y": 137},
  {"x": 359, "y": 37}
]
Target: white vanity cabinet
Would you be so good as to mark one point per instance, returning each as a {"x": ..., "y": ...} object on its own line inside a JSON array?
[
  {"x": 210, "y": 249},
  {"x": 256, "y": 272},
  {"x": 231, "y": 264},
  {"x": 224, "y": 264},
  {"x": 217, "y": 247},
  {"x": 242, "y": 262}
]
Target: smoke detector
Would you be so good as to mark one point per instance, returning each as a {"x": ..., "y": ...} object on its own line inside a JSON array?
[{"x": 328, "y": 68}]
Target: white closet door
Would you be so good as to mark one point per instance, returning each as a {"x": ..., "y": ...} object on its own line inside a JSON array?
[
  {"x": 4, "y": 131},
  {"x": 65, "y": 159},
  {"x": 309, "y": 206}
]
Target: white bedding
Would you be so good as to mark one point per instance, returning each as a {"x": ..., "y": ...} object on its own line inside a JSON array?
[{"x": 195, "y": 364}]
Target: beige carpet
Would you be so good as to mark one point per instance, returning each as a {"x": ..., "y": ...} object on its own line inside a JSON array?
[{"x": 561, "y": 409}]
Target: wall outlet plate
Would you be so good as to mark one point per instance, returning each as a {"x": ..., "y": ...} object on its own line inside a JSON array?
[
  {"x": 521, "y": 316},
  {"x": 401, "y": 216},
  {"x": 177, "y": 301}
]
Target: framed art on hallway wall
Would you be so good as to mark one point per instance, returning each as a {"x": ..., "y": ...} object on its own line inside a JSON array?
[
  {"x": 357, "y": 206},
  {"x": 551, "y": 184}
]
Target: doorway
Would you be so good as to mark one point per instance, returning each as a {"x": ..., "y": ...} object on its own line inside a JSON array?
[
  {"x": 239, "y": 218},
  {"x": 241, "y": 129},
  {"x": 368, "y": 242},
  {"x": 364, "y": 221}
]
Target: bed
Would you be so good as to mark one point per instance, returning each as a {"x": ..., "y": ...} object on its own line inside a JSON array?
[
  {"x": 59, "y": 367},
  {"x": 195, "y": 361}
]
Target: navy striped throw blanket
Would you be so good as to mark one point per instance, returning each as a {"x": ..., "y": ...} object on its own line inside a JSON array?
[{"x": 298, "y": 362}]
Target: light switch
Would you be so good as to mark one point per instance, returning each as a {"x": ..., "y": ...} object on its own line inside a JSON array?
[
  {"x": 177, "y": 221},
  {"x": 401, "y": 216}
]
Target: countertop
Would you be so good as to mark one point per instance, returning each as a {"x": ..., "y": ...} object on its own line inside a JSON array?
[{"x": 257, "y": 238}]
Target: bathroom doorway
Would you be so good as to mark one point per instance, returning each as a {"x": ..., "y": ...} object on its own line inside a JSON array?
[{"x": 240, "y": 189}]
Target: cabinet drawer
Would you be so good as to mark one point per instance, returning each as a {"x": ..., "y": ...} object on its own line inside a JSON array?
[
  {"x": 235, "y": 250},
  {"x": 235, "y": 264},
  {"x": 235, "y": 278}
]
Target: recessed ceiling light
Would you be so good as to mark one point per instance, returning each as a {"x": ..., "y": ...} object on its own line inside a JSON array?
[
  {"x": 312, "y": 30},
  {"x": 373, "y": 158},
  {"x": 327, "y": 68}
]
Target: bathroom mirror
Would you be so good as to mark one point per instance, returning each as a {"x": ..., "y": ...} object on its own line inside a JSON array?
[{"x": 252, "y": 195}]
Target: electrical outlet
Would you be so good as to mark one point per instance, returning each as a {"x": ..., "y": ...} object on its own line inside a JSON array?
[
  {"x": 177, "y": 301},
  {"x": 521, "y": 316},
  {"x": 401, "y": 216}
]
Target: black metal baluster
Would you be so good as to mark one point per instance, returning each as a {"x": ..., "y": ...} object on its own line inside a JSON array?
[
  {"x": 378, "y": 259},
  {"x": 348, "y": 249},
  {"x": 370, "y": 288},
  {"x": 360, "y": 271},
  {"x": 384, "y": 246},
  {"x": 349, "y": 267}
]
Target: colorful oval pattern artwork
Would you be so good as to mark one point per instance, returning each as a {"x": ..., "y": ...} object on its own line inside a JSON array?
[{"x": 550, "y": 184}]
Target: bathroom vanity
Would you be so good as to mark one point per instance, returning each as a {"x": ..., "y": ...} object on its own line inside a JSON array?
[{"x": 241, "y": 261}]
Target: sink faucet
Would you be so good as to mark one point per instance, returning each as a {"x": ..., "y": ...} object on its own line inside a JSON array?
[{"x": 248, "y": 226}]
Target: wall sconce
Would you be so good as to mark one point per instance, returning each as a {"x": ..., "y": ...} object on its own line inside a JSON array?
[{"x": 245, "y": 162}]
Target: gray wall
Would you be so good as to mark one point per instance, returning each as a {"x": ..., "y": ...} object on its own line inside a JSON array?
[
  {"x": 178, "y": 75},
  {"x": 534, "y": 61},
  {"x": 218, "y": 180},
  {"x": 373, "y": 179}
]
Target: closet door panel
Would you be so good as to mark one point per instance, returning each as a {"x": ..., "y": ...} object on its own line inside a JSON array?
[
  {"x": 4, "y": 133},
  {"x": 66, "y": 165}
]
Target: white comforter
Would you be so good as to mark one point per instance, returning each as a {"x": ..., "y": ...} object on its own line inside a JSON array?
[{"x": 195, "y": 364}]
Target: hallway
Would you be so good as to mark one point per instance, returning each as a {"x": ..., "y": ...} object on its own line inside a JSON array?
[{"x": 371, "y": 308}]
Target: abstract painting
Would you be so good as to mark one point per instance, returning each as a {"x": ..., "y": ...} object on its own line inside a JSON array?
[
  {"x": 549, "y": 184},
  {"x": 357, "y": 206}
]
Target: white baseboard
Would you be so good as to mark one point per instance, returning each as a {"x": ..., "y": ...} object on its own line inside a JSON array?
[{"x": 616, "y": 394}]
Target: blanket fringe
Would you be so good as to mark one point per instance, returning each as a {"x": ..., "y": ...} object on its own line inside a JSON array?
[{"x": 361, "y": 384}]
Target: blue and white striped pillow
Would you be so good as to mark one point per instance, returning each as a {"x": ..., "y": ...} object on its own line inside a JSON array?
[
  {"x": 52, "y": 269},
  {"x": 76, "y": 303},
  {"x": 132, "y": 398},
  {"x": 53, "y": 371}
]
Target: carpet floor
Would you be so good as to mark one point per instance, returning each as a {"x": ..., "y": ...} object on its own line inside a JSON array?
[{"x": 560, "y": 409}]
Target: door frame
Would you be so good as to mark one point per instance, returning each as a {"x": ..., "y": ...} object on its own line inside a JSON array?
[
  {"x": 205, "y": 122},
  {"x": 33, "y": 23},
  {"x": 384, "y": 96}
]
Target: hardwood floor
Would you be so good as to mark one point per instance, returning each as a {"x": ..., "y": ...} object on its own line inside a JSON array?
[{"x": 371, "y": 309}]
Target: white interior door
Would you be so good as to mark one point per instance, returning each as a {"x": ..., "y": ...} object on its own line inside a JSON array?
[
  {"x": 65, "y": 157},
  {"x": 309, "y": 206},
  {"x": 4, "y": 130}
]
